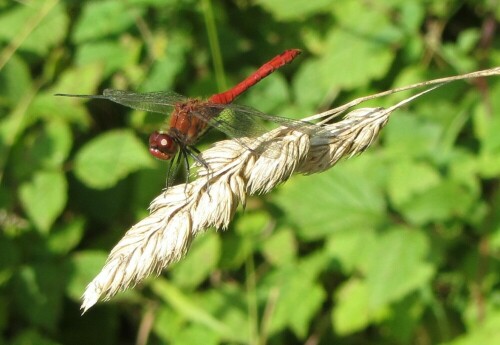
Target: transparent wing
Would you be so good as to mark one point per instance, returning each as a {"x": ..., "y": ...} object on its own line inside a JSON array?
[
  {"x": 156, "y": 102},
  {"x": 232, "y": 119},
  {"x": 240, "y": 121}
]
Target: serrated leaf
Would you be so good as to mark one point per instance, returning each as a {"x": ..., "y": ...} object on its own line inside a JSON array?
[
  {"x": 104, "y": 161},
  {"x": 408, "y": 178},
  {"x": 352, "y": 248},
  {"x": 407, "y": 135},
  {"x": 44, "y": 198},
  {"x": 95, "y": 23},
  {"x": 447, "y": 200},
  {"x": 353, "y": 54},
  {"x": 343, "y": 198},
  {"x": 45, "y": 23},
  {"x": 398, "y": 266}
]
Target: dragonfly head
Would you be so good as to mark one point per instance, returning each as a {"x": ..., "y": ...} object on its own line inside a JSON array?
[{"x": 162, "y": 145}]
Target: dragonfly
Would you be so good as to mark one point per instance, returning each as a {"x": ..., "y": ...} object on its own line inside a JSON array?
[{"x": 190, "y": 118}]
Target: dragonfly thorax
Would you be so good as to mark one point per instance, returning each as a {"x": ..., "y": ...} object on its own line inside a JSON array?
[{"x": 189, "y": 120}]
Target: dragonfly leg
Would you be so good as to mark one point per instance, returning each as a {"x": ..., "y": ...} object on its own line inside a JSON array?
[{"x": 194, "y": 153}]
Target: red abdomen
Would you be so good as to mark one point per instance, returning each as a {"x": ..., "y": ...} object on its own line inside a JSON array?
[{"x": 269, "y": 67}]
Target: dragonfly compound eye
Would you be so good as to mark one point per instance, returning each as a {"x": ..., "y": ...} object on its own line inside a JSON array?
[{"x": 162, "y": 146}]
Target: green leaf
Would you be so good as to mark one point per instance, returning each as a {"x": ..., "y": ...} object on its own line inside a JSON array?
[
  {"x": 195, "y": 334},
  {"x": 188, "y": 272},
  {"x": 486, "y": 332},
  {"x": 386, "y": 262},
  {"x": 44, "y": 23},
  {"x": 408, "y": 178},
  {"x": 343, "y": 198},
  {"x": 397, "y": 267},
  {"x": 110, "y": 54},
  {"x": 409, "y": 136},
  {"x": 269, "y": 95},
  {"x": 78, "y": 80},
  {"x": 38, "y": 293},
  {"x": 292, "y": 283},
  {"x": 235, "y": 250},
  {"x": 280, "y": 248},
  {"x": 185, "y": 305},
  {"x": 448, "y": 200},
  {"x": 85, "y": 266},
  {"x": 104, "y": 161},
  {"x": 252, "y": 224},
  {"x": 66, "y": 237},
  {"x": 352, "y": 248},
  {"x": 295, "y": 9},
  {"x": 15, "y": 81},
  {"x": 31, "y": 336},
  {"x": 10, "y": 259},
  {"x": 229, "y": 303},
  {"x": 41, "y": 148},
  {"x": 44, "y": 198},
  {"x": 169, "y": 63},
  {"x": 352, "y": 312},
  {"x": 490, "y": 148},
  {"x": 95, "y": 21},
  {"x": 49, "y": 107}
]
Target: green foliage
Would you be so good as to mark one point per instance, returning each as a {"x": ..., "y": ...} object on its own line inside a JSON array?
[{"x": 398, "y": 246}]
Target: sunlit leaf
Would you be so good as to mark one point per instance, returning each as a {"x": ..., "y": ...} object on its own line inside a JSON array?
[
  {"x": 280, "y": 248},
  {"x": 397, "y": 267},
  {"x": 295, "y": 9},
  {"x": 44, "y": 198},
  {"x": 189, "y": 273},
  {"x": 85, "y": 266},
  {"x": 340, "y": 199},
  {"x": 110, "y": 157},
  {"x": 15, "y": 81},
  {"x": 110, "y": 54},
  {"x": 445, "y": 201},
  {"x": 43, "y": 22},
  {"x": 352, "y": 312},
  {"x": 95, "y": 21},
  {"x": 190, "y": 310}
]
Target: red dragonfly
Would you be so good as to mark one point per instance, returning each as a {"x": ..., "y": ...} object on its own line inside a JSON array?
[{"x": 190, "y": 118}]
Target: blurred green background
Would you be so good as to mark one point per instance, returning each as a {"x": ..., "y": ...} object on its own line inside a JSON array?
[{"x": 400, "y": 245}]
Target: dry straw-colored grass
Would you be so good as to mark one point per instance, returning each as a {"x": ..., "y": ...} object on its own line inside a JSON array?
[{"x": 178, "y": 214}]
